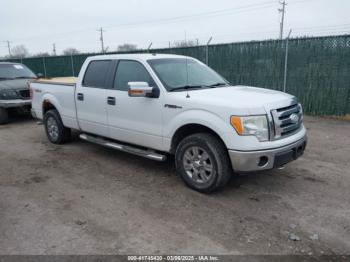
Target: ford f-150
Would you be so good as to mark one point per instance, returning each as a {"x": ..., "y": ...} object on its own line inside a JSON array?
[{"x": 156, "y": 105}]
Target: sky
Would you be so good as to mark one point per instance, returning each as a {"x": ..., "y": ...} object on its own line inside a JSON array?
[{"x": 37, "y": 24}]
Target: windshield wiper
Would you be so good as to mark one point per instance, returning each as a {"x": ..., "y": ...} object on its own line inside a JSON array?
[
  {"x": 24, "y": 77},
  {"x": 186, "y": 87},
  {"x": 219, "y": 84},
  {"x": 5, "y": 78}
]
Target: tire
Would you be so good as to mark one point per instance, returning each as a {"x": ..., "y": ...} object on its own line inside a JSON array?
[
  {"x": 56, "y": 132},
  {"x": 4, "y": 116},
  {"x": 194, "y": 168}
]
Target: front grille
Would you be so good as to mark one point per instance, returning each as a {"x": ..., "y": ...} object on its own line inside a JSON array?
[
  {"x": 24, "y": 93},
  {"x": 287, "y": 120}
]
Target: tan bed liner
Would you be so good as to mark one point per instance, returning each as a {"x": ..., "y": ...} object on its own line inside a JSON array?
[{"x": 70, "y": 80}]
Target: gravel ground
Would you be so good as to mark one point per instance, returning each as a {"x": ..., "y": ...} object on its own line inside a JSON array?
[{"x": 81, "y": 198}]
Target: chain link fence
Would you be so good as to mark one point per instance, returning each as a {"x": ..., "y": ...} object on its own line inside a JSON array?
[{"x": 318, "y": 68}]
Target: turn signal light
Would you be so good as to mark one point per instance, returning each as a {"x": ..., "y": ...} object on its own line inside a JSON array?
[{"x": 236, "y": 122}]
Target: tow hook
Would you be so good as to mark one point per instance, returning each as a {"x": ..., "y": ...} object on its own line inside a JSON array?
[{"x": 281, "y": 167}]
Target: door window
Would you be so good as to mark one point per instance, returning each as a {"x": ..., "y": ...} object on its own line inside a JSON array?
[
  {"x": 131, "y": 71},
  {"x": 96, "y": 74}
]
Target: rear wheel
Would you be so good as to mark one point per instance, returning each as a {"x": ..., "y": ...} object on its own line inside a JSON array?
[
  {"x": 202, "y": 162},
  {"x": 4, "y": 116},
  {"x": 56, "y": 132}
]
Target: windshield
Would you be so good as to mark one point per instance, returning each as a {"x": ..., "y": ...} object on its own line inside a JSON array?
[
  {"x": 182, "y": 73},
  {"x": 13, "y": 71}
]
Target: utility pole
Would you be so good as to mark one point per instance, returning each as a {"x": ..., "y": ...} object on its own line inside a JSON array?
[
  {"x": 101, "y": 39},
  {"x": 283, "y": 11},
  {"x": 54, "y": 49},
  {"x": 9, "y": 47}
]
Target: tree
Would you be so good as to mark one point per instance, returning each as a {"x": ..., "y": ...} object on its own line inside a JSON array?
[
  {"x": 184, "y": 43},
  {"x": 19, "y": 51},
  {"x": 71, "y": 51},
  {"x": 127, "y": 47}
]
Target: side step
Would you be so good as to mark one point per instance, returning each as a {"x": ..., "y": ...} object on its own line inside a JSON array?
[{"x": 125, "y": 148}]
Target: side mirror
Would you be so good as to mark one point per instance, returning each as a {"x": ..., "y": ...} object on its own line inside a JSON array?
[
  {"x": 142, "y": 89},
  {"x": 39, "y": 75}
]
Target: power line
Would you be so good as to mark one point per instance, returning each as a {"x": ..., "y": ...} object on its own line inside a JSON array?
[{"x": 221, "y": 12}]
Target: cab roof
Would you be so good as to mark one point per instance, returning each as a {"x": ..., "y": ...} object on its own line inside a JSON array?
[
  {"x": 136, "y": 56},
  {"x": 9, "y": 63}
]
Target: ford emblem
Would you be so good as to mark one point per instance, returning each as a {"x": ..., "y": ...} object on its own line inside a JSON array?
[{"x": 294, "y": 118}]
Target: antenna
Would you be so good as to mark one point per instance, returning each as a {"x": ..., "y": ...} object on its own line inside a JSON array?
[
  {"x": 149, "y": 47},
  {"x": 187, "y": 95}
]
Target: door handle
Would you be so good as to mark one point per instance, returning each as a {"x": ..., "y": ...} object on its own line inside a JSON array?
[
  {"x": 80, "y": 96},
  {"x": 111, "y": 100}
]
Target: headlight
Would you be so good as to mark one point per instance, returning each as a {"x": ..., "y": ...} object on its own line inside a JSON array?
[
  {"x": 8, "y": 94},
  {"x": 251, "y": 126}
]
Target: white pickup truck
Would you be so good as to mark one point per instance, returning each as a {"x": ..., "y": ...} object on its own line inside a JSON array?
[{"x": 155, "y": 105}]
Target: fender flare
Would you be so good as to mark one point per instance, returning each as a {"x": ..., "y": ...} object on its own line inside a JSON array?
[
  {"x": 49, "y": 98},
  {"x": 198, "y": 117}
]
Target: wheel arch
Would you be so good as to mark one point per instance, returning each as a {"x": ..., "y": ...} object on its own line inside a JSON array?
[
  {"x": 189, "y": 129},
  {"x": 49, "y": 102}
]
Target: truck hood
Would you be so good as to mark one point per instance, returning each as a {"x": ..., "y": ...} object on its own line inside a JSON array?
[
  {"x": 15, "y": 84},
  {"x": 245, "y": 99}
]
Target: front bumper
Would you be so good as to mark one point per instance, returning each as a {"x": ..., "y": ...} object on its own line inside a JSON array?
[
  {"x": 248, "y": 161},
  {"x": 15, "y": 103}
]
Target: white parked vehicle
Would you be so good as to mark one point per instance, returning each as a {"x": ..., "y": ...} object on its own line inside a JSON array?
[{"x": 154, "y": 105}]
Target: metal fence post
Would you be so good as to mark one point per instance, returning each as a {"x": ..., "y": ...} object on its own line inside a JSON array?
[
  {"x": 286, "y": 63},
  {"x": 71, "y": 60},
  {"x": 44, "y": 66},
  {"x": 207, "y": 51}
]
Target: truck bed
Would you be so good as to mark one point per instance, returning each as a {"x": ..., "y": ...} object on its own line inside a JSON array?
[
  {"x": 70, "y": 80},
  {"x": 60, "y": 92}
]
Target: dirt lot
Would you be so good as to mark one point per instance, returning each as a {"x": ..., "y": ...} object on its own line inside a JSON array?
[{"x": 81, "y": 198}]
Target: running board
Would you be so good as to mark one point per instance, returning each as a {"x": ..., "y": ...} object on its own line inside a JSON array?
[{"x": 125, "y": 148}]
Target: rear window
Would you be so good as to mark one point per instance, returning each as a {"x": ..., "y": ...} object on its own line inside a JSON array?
[{"x": 96, "y": 74}]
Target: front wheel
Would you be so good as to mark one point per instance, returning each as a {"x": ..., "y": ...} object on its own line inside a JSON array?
[
  {"x": 203, "y": 163},
  {"x": 56, "y": 132}
]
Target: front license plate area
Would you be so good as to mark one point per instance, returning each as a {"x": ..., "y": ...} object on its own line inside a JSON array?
[{"x": 284, "y": 158}]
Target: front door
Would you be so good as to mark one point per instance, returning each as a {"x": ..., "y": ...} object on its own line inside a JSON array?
[{"x": 135, "y": 120}]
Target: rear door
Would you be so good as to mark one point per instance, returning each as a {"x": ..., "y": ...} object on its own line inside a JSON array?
[{"x": 91, "y": 97}]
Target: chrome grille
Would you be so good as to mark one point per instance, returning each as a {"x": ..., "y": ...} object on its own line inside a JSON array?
[{"x": 287, "y": 120}]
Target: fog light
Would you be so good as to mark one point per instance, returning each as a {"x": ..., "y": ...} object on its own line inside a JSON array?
[{"x": 263, "y": 161}]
